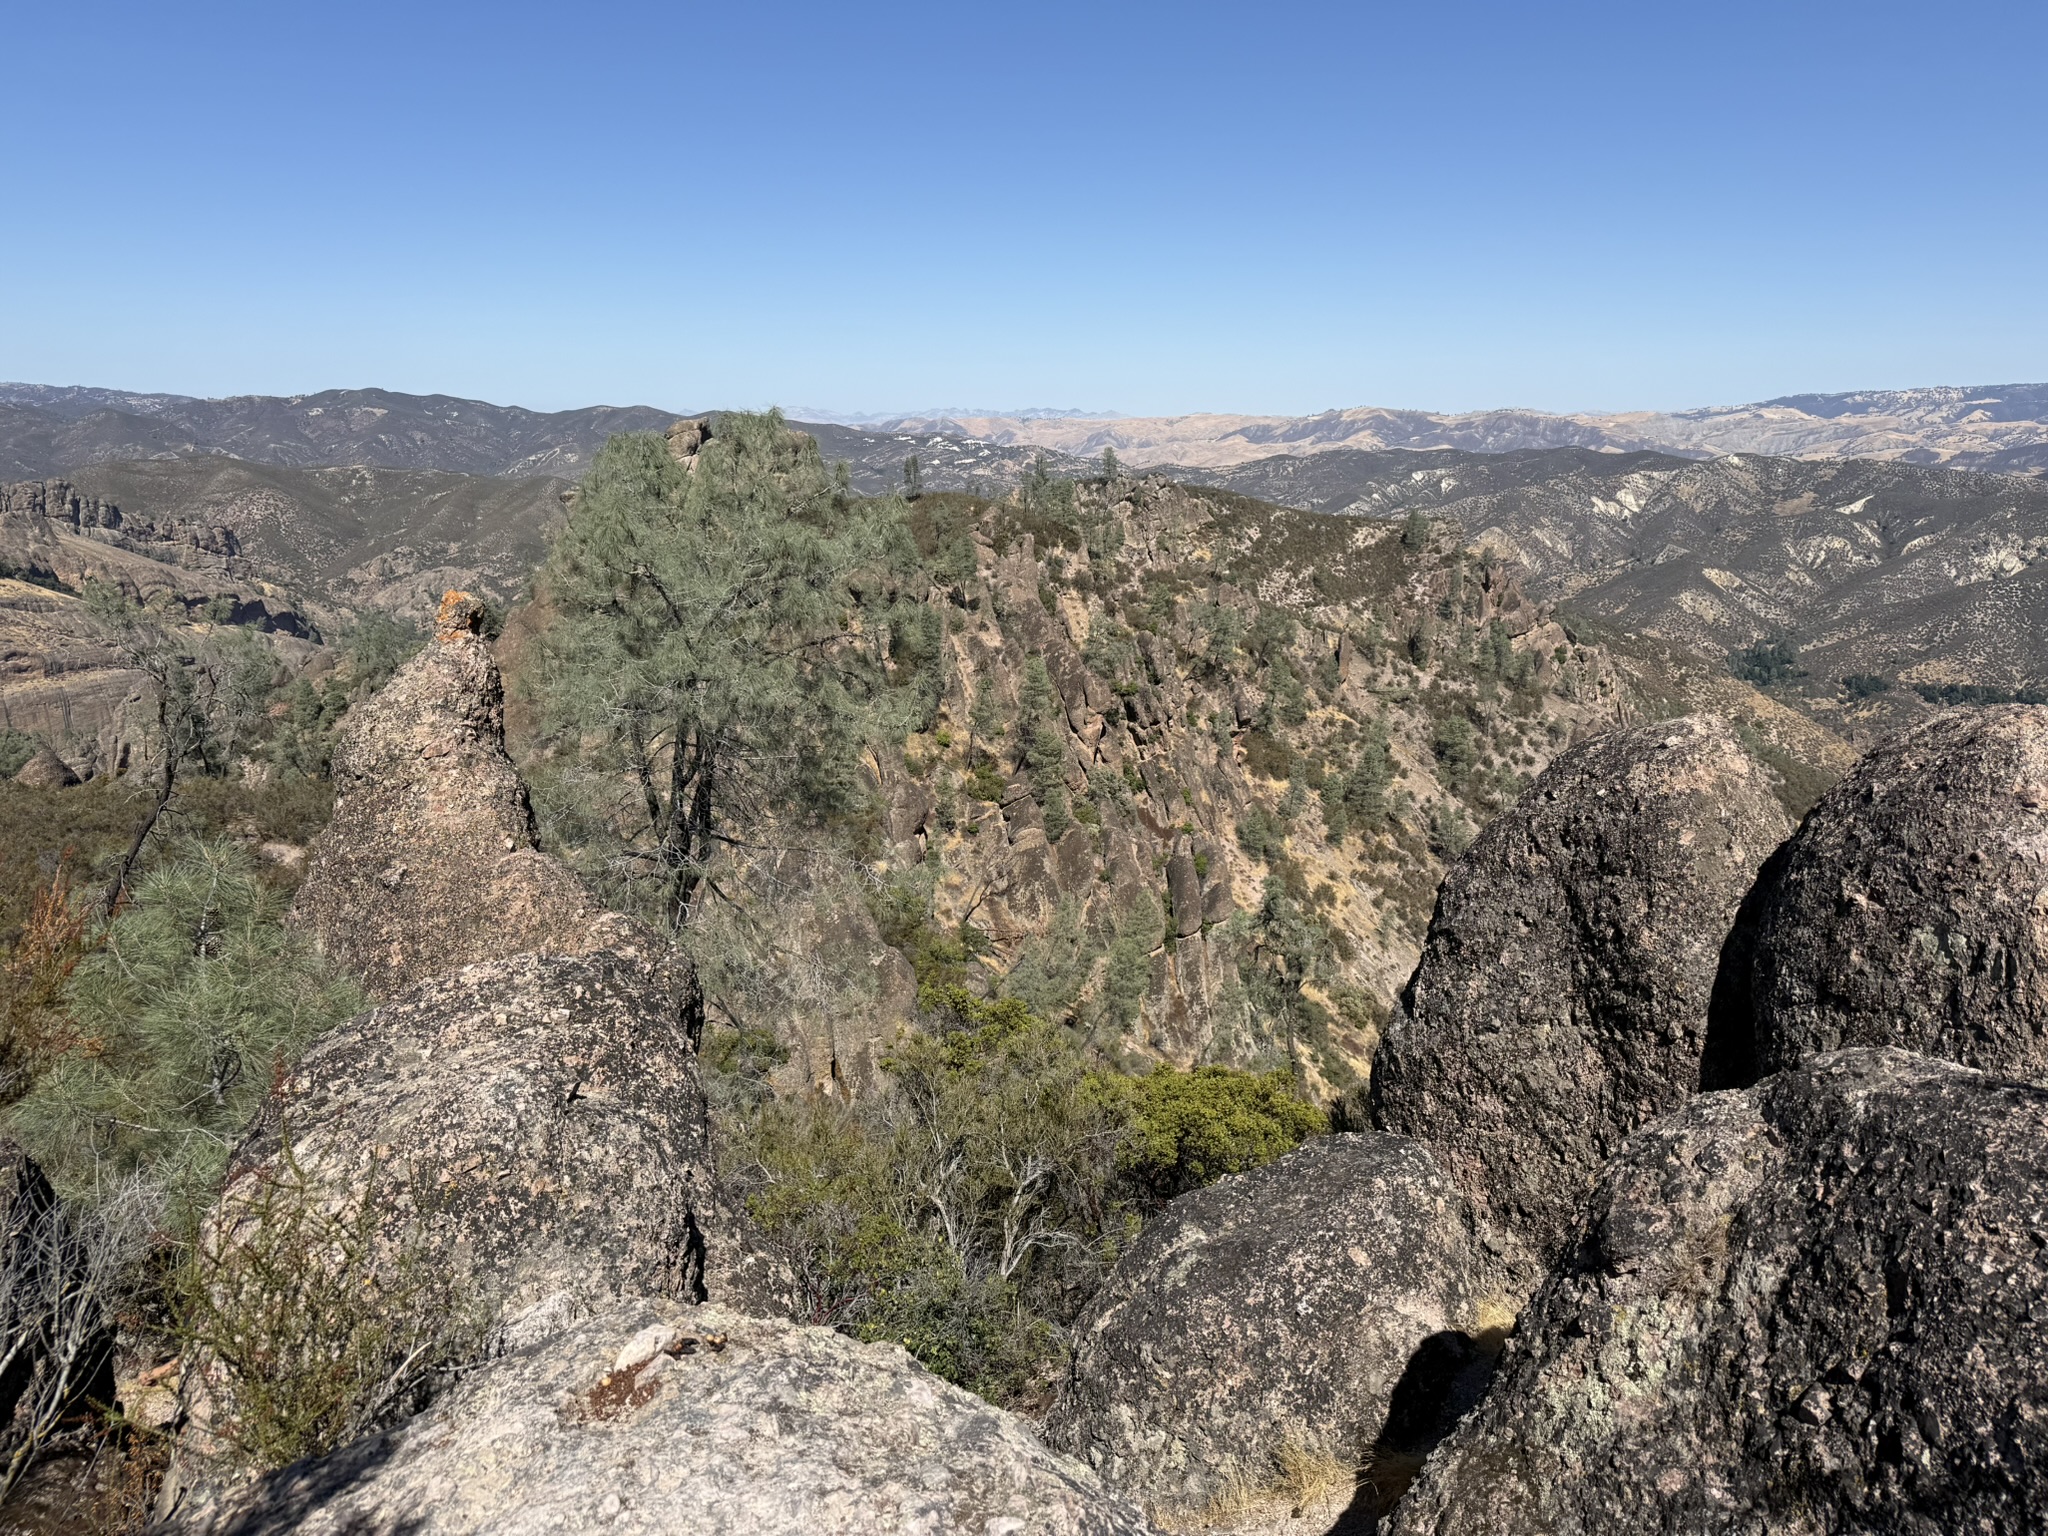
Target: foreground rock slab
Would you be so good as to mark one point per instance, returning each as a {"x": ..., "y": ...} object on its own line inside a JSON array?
[
  {"x": 539, "y": 1120},
  {"x": 1820, "y": 1305},
  {"x": 656, "y": 1418},
  {"x": 1566, "y": 992},
  {"x": 1269, "y": 1315},
  {"x": 430, "y": 861},
  {"x": 1912, "y": 909}
]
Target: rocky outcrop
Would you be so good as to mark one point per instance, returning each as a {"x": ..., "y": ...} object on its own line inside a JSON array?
[
  {"x": 1820, "y": 1305},
  {"x": 651, "y": 1418},
  {"x": 537, "y": 1122},
  {"x": 1274, "y": 1311},
  {"x": 46, "y": 770},
  {"x": 1566, "y": 991},
  {"x": 1912, "y": 909},
  {"x": 430, "y": 862}
]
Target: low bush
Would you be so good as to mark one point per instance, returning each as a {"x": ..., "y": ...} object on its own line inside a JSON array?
[
  {"x": 970, "y": 1209},
  {"x": 311, "y": 1327}
]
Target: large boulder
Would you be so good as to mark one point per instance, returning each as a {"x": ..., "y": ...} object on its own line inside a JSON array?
[
  {"x": 650, "y": 1418},
  {"x": 1567, "y": 991},
  {"x": 45, "y": 770},
  {"x": 430, "y": 862},
  {"x": 1275, "y": 1311},
  {"x": 1820, "y": 1305},
  {"x": 1912, "y": 908},
  {"x": 538, "y": 1123}
]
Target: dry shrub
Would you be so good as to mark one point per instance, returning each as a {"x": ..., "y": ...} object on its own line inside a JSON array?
[
  {"x": 35, "y": 1025},
  {"x": 1300, "y": 1472},
  {"x": 310, "y": 1325}
]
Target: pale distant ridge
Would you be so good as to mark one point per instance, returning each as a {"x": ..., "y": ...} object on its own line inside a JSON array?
[{"x": 1999, "y": 427}]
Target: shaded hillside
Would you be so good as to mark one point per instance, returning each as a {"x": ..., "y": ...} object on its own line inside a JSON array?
[
  {"x": 1932, "y": 574},
  {"x": 353, "y": 538},
  {"x": 47, "y": 431}
]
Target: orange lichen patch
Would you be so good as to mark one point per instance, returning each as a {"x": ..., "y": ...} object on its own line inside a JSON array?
[{"x": 461, "y": 614}]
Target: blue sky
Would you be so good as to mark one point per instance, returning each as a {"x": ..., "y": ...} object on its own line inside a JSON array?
[{"x": 1146, "y": 208}]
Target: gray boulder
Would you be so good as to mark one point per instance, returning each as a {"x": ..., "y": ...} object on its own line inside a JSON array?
[
  {"x": 1277, "y": 1310},
  {"x": 430, "y": 861},
  {"x": 538, "y": 1120},
  {"x": 1816, "y": 1306},
  {"x": 1567, "y": 990},
  {"x": 652, "y": 1418},
  {"x": 45, "y": 770},
  {"x": 1912, "y": 909}
]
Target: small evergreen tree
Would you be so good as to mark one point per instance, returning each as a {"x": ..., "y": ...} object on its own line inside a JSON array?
[
  {"x": 1415, "y": 531},
  {"x": 913, "y": 479},
  {"x": 724, "y": 639}
]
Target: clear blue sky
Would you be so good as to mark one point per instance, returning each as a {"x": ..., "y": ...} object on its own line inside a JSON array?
[{"x": 1148, "y": 208}]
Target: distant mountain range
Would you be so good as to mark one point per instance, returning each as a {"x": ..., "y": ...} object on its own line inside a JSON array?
[
  {"x": 46, "y": 430},
  {"x": 2002, "y": 428},
  {"x": 1884, "y": 564}
]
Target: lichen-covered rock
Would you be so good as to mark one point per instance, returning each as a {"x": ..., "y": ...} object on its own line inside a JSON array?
[
  {"x": 1816, "y": 1306},
  {"x": 1912, "y": 908},
  {"x": 1566, "y": 992},
  {"x": 650, "y": 1418},
  {"x": 538, "y": 1121},
  {"x": 430, "y": 862},
  {"x": 1278, "y": 1308}
]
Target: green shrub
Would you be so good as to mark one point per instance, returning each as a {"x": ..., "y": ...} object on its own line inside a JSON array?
[
  {"x": 1865, "y": 685},
  {"x": 194, "y": 1000},
  {"x": 1766, "y": 664},
  {"x": 16, "y": 748},
  {"x": 984, "y": 783},
  {"x": 1267, "y": 755},
  {"x": 1188, "y": 1129}
]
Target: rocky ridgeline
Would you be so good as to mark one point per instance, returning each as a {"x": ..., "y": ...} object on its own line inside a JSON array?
[
  {"x": 524, "y": 1119},
  {"x": 1214, "y": 667},
  {"x": 1807, "y": 1301},
  {"x": 62, "y": 679}
]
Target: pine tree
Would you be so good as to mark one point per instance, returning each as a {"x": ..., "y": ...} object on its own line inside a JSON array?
[{"x": 724, "y": 639}]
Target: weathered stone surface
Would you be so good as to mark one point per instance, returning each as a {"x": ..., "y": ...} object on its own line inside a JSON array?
[
  {"x": 1281, "y": 1306},
  {"x": 46, "y": 770},
  {"x": 430, "y": 861},
  {"x": 1912, "y": 908},
  {"x": 1567, "y": 985},
  {"x": 539, "y": 1120},
  {"x": 749, "y": 1426},
  {"x": 1184, "y": 890},
  {"x": 1820, "y": 1305}
]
